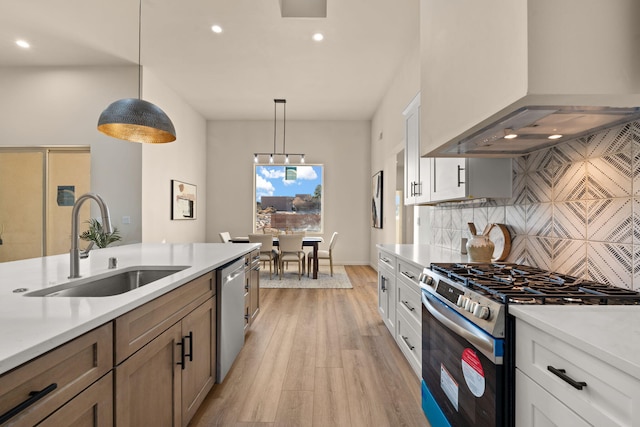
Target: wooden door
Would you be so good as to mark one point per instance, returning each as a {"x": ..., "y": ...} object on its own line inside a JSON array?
[
  {"x": 149, "y": 384},
  {"x": 199, "y": 373}
]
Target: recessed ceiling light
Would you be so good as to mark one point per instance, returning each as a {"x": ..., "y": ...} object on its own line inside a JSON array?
[
  {"x": 318, "y": 37},
  {"x": 216, "y": 29},
  {"x": 556, "y": 136},
  {"x": 23, "y": 44}
]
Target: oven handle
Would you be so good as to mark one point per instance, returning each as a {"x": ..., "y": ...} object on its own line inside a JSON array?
[{"x": 454, "y": 324}]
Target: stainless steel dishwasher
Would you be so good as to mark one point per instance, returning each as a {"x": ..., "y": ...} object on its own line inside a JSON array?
[{"x": 230, "y": 315}]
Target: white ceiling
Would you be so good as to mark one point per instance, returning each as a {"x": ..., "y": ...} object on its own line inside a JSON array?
[{"x": 237, "y": 74}]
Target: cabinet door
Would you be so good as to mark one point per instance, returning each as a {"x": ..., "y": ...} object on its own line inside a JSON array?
[
  {"x": 413, "y": 187},
  {"x": 91, "y": 408},
  {"x": 199, "y": 373},
  {"x": 536, "y": 407},
  {"x": 387, "y": 299},
  {"x": 448, "y": 178},
  {"x": 254, "y": 293},
  {"x": 148, "y": 384}
]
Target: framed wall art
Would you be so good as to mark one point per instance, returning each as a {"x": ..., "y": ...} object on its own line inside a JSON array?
[
  {"x": 376, "y": 200},
  {"x": 183, "y": 200}
]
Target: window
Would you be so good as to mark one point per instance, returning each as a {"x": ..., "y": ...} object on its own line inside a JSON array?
[{"x": 288, "y": 198}]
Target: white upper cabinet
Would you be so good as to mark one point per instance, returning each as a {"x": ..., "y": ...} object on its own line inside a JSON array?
[
  {"x": 416, "y": 169},
  {"x": 461, "y": 179}
]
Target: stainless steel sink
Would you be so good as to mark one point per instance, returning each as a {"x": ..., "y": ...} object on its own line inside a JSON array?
[{"x": 116, "y": 283}]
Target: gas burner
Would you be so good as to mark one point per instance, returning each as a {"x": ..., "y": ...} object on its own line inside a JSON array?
[{"x": 523, "y": 284}]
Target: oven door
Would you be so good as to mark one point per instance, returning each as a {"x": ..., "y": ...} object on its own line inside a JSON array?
[{"x": 462, "y": 371}]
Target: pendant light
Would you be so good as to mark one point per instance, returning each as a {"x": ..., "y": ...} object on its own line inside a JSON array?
[
  {"x": 283, "y": 153},
  {"x": 136, "y": 120}
]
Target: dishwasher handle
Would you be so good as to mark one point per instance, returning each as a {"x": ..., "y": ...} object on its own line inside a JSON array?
[{"x": 230, "y": 277}]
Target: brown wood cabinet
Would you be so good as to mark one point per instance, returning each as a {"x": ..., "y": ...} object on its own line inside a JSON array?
[
  {"x": 55, "y": 378},
  {"x": 163, "y": 357},
  {"x": 164, "y": 382},
  {"x": 91, "y": 408}
]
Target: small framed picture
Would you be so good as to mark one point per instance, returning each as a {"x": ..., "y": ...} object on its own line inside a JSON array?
[
  {"x": 183, "y": 200},
  {"x": 376, "y": 200}
]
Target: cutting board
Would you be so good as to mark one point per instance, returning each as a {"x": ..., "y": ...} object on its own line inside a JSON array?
[{"x": 501, "y": 238}]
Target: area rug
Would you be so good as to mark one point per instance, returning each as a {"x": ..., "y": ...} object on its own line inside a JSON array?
[{"x": 290, "y": 279}]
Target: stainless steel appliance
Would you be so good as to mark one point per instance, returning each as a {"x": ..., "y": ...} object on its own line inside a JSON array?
[
  {"x": 230, "y": 315},
  {"x": 468, "y": 338}
]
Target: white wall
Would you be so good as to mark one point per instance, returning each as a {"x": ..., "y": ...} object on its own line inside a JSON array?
[
  {"x": 60, "y": 106},
  {"x": 342, "y": 146},
  {"x": 387, "y": 139},
  {"x": 184, "y": 159}
]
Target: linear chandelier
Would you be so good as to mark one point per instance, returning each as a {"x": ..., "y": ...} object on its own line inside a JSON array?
[{"x": 283, "y": 153}]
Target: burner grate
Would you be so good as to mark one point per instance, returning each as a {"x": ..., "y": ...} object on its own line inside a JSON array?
[{"x": 522, "y": 284}]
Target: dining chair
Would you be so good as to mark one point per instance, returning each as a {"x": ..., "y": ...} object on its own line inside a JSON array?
[
  {"x": 271, "y": 231},
  {"x": 324, "y": 254},
  {"x": 267, "y": 253},
  {"x": 290, "y": 250},
  {"x": 225, "y": 237}
]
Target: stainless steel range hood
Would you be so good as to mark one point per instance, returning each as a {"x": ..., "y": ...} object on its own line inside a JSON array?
[
  {"x": 535, "y": 127},
  {"x": 546, "y": 72}
]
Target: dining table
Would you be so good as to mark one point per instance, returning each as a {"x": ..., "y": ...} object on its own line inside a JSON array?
[{"x": 306, "y": 241}]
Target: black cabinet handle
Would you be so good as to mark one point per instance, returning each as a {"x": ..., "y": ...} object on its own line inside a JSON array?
[
  {"x": 406, "y": 303},
  {"x": 383, "y": 288},
  {"x": 406, "y": 341},
  {"x": 182, "y": 355},
  {"x": 34, "y": 396},
  {"x": 460, "y": 182},
  {"x": 563, "y": 375},
  {"x": 408, "y": 275},
  {"x": 190, "y": 355}
]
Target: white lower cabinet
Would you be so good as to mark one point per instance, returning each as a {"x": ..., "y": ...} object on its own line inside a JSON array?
[
  {"x": 560, "y": 384},
  {"x": 536, "y": 407},
  {"x": 387, "y": 290},
  {"x": 400, "y": 305}
]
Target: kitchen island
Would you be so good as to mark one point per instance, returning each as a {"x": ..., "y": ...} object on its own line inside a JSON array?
[
  {"x": 138, "y": 344},
  {"x": 31, "y": 326}
]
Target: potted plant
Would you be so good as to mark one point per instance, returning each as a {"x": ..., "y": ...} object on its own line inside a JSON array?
[{"x": 98, "y": 236}]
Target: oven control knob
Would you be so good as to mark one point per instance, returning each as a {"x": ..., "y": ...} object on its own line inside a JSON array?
[
  {"x": 461, "y": 300},
  {"x": 481, "y": 311},
  {"x": 472, "y": 306}
]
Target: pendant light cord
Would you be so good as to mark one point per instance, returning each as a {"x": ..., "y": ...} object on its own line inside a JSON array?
[{"x": 140, "y": 50}]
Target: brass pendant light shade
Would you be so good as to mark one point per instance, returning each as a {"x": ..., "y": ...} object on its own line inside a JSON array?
[{"x": 136, "y": 120}]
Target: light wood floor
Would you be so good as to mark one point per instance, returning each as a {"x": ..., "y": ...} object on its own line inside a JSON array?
[{"x": 318, "y": 357}]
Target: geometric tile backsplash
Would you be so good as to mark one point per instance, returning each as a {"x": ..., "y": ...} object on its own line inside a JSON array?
[{"x": 575, "y": 209}]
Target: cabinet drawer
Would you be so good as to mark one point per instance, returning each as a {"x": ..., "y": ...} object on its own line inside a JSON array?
[
  {"x": 139, "y": 326},
  {"x": 410, "y": 303},
  {"x": 536, "y": 407},
  {"x": 92, "y": 408},
  {"x": 410, "y": 274},
  {"x": 610, "y": 396},
  {"x": 387, "y": 260},
  {"x": 410, "y": 343},
  {"x": 65, "y": 371}
]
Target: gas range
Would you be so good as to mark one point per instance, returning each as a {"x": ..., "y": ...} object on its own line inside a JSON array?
[
  {"x": 481, "y": 291},
  {"x": 468, "y": 338}
]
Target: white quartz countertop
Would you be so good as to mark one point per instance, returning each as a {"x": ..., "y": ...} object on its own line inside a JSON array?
[
  {"x": 31, "y": 326},
  {"x": 424, "y": 255},
  {"x": 610, "y": 333}
]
